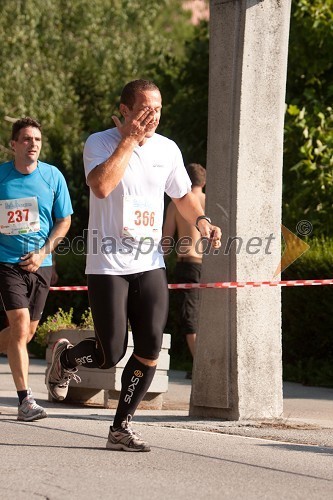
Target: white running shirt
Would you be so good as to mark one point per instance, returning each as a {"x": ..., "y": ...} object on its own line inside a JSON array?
[{"x": 125, "y": 228}]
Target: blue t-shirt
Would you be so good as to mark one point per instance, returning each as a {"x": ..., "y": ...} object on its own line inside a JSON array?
[{"x": 43, "y": 196}]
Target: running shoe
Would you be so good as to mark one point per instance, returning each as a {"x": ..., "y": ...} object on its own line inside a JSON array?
[
  {"x": 29, "y": 410},
  {"x": 57, "y": 378},
  {"x": 124, "y": 438}
]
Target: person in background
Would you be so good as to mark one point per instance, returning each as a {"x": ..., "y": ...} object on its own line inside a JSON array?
[
  {"x": 189, "y": 256},
  {"x": 35, "y": 214}
]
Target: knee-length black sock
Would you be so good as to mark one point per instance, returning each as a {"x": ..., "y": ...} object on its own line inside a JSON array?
[
  {"x": 83, "y": 353},
  {"x": 135, "y": 382}
]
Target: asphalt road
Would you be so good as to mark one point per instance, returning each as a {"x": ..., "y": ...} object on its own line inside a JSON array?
[{"x": 65, "y": 458}]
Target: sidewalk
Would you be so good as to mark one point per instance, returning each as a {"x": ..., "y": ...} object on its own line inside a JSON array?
[{"x": 307, "y": 419}]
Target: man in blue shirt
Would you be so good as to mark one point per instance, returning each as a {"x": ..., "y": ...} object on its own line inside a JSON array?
[{"x": 35, "y": 214}]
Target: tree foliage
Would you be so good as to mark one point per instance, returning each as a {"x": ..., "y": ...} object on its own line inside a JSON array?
[
  {"x": 184, "y": 86},
  {"x": 66, "y": 62},
  {"x": 308, "y": 157},
  {"x": 308, "y": 177},
  {"x": 308, "y": 148}
]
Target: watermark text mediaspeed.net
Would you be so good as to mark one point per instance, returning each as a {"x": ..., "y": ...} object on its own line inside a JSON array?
[{"x": 232, "y": 245}]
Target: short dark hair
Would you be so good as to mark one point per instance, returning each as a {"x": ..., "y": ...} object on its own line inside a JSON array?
[
  {"x": 130, "y": 90},
  {"x": 23, "y": 123},
  {"x": 197, "y": 174}
]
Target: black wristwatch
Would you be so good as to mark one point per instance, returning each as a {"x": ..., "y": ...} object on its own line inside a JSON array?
[{"x": 200, "y": 218}]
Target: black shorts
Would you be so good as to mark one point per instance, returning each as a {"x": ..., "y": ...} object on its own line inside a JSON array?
[
  {"x": 20, "y": 289},
  {"x": 188, "y": 272}
]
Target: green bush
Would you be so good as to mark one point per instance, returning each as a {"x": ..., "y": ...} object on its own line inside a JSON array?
[
  {"x": 307, "y": 319},
  {"x": 59, "y": 321},
  {"x": 87, "y": 322},
  {"x": 62, "y": 320}
]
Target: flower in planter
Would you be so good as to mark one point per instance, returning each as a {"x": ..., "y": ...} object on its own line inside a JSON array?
[
  {"x": 86, "y": 320},
  {"x": 59, "y": 321}
]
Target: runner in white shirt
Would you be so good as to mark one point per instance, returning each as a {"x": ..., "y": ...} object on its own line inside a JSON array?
[{"x": 128, "y": 170}]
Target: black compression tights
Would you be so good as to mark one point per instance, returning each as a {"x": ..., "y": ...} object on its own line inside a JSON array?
[{"x": 142, "y": 298}]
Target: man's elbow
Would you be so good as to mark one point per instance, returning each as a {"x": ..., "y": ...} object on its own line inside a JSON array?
[
  {"x": 100, "y": 193},
  {"x": 100, "y": 190}
]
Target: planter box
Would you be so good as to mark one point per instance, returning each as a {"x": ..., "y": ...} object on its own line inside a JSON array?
[{"x": 102, "y": 387}]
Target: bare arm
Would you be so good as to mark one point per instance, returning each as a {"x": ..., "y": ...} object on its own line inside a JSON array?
[
  {"x": 33, "y": 260},
  {"x": 105, "y": 177},
  {"x": 190, "y": 209},
  {"x": 169, "y": 228}
]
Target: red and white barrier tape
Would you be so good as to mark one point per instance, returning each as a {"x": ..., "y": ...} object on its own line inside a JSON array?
[
  {"x": 223, "y": 284},
  {"x": 68, "y": 288},
  {"x": 253, "y": 284}
]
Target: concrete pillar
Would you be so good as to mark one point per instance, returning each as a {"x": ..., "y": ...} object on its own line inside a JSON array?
[{"x": 238, "y": 365}]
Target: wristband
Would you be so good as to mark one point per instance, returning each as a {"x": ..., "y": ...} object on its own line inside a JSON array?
[{"x": 200, "y": 218}]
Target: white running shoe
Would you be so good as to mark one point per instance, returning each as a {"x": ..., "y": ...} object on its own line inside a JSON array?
[
  {"x": 124, "y": 438},
  {"x": 57, "y": 378},
  {"x": 29, "y": 410}
]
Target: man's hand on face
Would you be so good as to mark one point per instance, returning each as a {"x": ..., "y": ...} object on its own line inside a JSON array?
[{"x": 137, "y": 125}]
